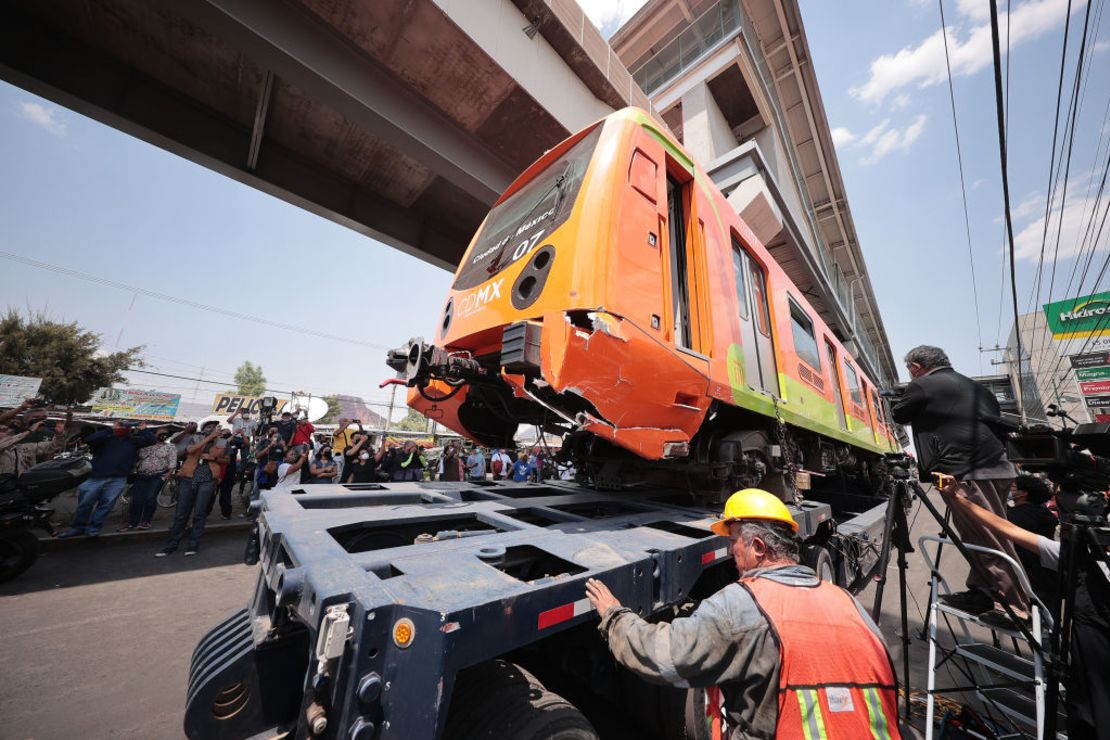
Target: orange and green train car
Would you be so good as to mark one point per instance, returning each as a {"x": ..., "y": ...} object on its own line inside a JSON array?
[{"x": 613, "y": 296}]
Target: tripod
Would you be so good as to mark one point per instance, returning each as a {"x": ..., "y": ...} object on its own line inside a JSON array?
[
  {"x": 1082, "y": 541},
  {"x": 901, "y": 490}
]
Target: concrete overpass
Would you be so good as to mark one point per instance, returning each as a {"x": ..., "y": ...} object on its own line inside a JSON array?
[{"x": 401, "y": 120}]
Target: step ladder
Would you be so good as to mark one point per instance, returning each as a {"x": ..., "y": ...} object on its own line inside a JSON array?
[{"x": 1005, "y": 680}]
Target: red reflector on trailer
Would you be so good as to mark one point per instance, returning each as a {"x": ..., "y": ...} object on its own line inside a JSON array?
[
  {"x": 713, "y": 555},
  {"x": 562, "y": 613}
]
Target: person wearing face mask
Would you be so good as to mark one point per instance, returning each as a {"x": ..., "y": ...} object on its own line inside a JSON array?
[
  {"x": 323, "y": 467},
  {"x": 1028, "y": 496},
  {"x": 196, "y": 483},
  {"x": 361, "y": 462},
  {"x": 114, "y": 451},
  {"x": 241, "y": 423},
  {"x": 156, "y": 465},
  {"x": 785, "y": 653}
]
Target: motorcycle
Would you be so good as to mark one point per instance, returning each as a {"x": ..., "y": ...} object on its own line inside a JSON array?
[{"x": 23, "y": 508}]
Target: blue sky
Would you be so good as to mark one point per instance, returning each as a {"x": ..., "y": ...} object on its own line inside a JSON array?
[
  {"x": 80, "y": 195},
  {"x": 83, "y": 196},
  {"x": 880, "y": 67}
]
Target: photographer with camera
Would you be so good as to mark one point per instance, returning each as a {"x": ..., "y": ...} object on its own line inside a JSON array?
[
  {"x": 1088, "y": 681},
  {"x": 957, "y": 430},
  {"x": 18, "y": 453}
]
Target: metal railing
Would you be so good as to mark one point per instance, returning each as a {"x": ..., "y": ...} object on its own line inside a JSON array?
[{"x": 708, "y": 29}]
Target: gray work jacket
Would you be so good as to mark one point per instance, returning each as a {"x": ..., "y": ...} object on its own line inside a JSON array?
[{"x": 726, "y": 641}]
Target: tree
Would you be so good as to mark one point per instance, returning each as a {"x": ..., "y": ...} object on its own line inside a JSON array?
[
  {"x": 67, "y": 358},
  {"x": 250, "y": 380},
  {"x": 332, "y": 414},
  {"x": 414, "y": 422}
]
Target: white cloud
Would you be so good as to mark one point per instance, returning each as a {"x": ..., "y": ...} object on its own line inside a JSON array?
[
  {"x": 976, "y": 10},
  {"x": 609, "y": 15},
  {"x": 923, "y": 65},
  {"x": 40, "y": 115},
  {"x": 975, "y": 185},
  {"x": 1100, "y": 46},
  {"x": 842, "y": 137},
  {"x": 884, "y": 140},
  {"x": 1031, "y": 206},
  {"x": 901, "y": 100},
  {"x": 1077, "y": 213},
  {"x": 881, "y": 139}
]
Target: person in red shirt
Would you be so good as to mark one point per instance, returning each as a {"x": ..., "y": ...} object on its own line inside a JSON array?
[{"x": 302, "y": 434}]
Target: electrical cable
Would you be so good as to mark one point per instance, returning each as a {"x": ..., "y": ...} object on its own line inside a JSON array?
[
  {"x": 1052, "y": 158},
  {"x": 999, "y": 105},
  {"x": 182, "y": 301},
  {"x": 963, "y": 187}
]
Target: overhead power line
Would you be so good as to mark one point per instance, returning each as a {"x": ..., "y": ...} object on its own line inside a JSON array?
[
  {"x": 1000, "y": 108},
  {"x": 183, "y": 301},
  {"x": 963, "y": 187}
]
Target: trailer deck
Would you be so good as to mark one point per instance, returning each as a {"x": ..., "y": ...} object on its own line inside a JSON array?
[{"x": 372, "y": 597}]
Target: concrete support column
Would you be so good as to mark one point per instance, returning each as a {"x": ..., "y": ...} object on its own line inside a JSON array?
[{"x": 705, "y": 132}]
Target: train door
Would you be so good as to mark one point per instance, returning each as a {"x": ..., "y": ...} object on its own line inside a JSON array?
[
  {"x": 755, "y": 322},
  {"x": 680, "y": 273},
  {"x": 838, "y": 392}
]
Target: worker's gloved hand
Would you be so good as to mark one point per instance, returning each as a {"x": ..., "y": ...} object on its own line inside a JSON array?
[{"x": 600, "y": 596}]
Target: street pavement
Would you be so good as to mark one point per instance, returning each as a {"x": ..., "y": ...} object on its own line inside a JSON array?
[{"x": 96, "y": 637}]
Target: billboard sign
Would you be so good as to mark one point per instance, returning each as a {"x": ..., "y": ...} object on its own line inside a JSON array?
[
  {"x": 1093, "y": 373},
  {"x": 1085, "y": 316},
  {"x": 226, "y": 404},
  {"x": 1097, "y": 402},
  {"x": 1097, "y": 359},
  {"x": 15, "y": 389},
  {"x": 120, "y": 403},
  {"x": 1095, "y": 387}
]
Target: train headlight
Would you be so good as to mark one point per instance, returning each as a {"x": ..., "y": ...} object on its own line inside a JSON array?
[{"x": 529, "y": 284}]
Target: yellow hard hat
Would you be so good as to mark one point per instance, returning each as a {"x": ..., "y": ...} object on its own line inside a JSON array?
[{"x": 753, "y": 503}]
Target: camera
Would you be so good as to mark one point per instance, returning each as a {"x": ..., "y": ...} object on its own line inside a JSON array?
[{"x": 1077, "y": 460}]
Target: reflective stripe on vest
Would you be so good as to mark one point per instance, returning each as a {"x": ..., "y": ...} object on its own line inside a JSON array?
[{"x": 835, "y": 679}]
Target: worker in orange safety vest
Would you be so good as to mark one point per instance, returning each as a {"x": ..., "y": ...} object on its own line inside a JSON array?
[{"x": 782, "y": 653}]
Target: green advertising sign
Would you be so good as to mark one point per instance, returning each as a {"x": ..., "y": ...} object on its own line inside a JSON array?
[
  {"x": 1093, "y": 373},
  {"x": 1086, "y": 316}
]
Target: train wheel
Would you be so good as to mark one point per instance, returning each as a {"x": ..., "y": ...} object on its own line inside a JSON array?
[
  {"x": 18, "y": 552},
  {"x": 502, "y": 701},
  {"x": 818, "y": 558}
]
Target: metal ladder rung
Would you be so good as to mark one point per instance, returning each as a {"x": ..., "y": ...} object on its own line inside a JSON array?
[
  {"x": 974, "y": 619},
  {"x": 999, "y": 661},
  {"x": 1020, "y": 707}
]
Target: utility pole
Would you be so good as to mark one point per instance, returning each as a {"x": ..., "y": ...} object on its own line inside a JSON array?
[{"x": 389, "y": 416}]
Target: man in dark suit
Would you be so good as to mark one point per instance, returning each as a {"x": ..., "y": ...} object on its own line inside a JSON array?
[{"x": 957, "y": 429}]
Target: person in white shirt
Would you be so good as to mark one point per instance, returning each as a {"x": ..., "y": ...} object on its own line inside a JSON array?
[{"x": 288, "y": 472}]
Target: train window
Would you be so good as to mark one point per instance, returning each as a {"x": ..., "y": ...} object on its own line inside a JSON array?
[
  {"x": 516, "y": 225},
  {"x": 759, "y": 299},
  {"x": 880, "y": 412},
  {"x": 853, "y": 384},
  {"x": 805, "y": 342},
  {"x": 739, "y": 270}
]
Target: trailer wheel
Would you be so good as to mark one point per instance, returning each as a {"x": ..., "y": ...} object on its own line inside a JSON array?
[
  {"x": 683, "y": 714},
  {"x": 18, "y": 551},
  {"x": 818, "y": 558},
  {"x": 499, "y": 700}
]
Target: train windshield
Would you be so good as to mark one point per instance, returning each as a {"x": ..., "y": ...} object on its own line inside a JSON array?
[{"x": 515, "y": 227}]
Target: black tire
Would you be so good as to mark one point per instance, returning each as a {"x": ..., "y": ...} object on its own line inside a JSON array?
[
  {"x": 18, "y": 551},
  {"x": 499, "y": 700},
  {"x": 818, "y": 558},
  {"x": 682, "y": 714}
]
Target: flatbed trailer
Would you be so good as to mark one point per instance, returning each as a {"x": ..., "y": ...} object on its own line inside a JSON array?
[{"x": 378, "y": 604}]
